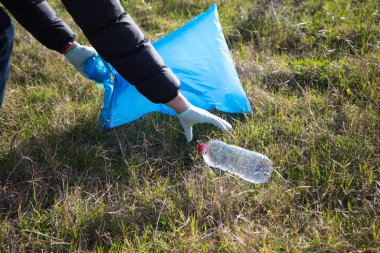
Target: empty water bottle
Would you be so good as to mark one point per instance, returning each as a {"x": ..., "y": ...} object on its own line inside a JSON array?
[{"x": 249, "y": 165}]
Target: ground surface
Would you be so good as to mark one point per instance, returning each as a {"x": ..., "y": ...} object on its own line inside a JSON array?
[{"x": 311, "y": 72}]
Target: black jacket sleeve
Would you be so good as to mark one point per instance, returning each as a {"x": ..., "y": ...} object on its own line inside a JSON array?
[
  {"x": 5, "y": 21},
  {"x": 117, "y": 39},
  {"x": 38, "y": 18}
]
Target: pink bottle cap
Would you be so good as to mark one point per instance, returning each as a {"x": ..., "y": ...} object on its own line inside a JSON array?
[{"x": 202, "y": 149}]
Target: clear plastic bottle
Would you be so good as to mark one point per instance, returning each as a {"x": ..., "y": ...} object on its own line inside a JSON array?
[{"x": 249, "y": 165}]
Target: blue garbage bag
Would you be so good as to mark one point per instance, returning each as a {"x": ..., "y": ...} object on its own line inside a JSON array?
[{"x": 199, "y": 56}]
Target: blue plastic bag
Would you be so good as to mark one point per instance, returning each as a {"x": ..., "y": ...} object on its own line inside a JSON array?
[{"x": 198, "y": 55}]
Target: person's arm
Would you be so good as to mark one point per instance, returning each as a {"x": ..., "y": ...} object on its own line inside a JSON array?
[
  {"x": 119, "y": 41},
  {"x": 39, "y": 19}
]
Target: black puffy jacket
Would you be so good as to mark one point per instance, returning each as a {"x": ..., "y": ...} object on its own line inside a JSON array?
[{"x": 113, "y": 34}]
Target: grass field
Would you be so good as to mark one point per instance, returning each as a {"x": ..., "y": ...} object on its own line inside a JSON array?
[{"x": 311, "y": 70}]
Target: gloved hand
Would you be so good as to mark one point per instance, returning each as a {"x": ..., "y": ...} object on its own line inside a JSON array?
[
  {"x": 194, "y": 115},
  {"x": 78, "y": 57}
]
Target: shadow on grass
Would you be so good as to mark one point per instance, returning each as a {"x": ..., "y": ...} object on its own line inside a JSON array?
[
  {"x": 39, "y": 169},
  {"x": 130, "y": 170}
]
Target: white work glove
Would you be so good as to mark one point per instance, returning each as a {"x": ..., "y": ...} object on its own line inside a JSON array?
[
  {"x": 194, "y": 115},
  {"x": 78, "y": 57}
]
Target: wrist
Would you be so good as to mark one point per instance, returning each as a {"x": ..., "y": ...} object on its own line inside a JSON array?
[
  {"x": 68, "y": 47},
  {"x": 184, "y": 112},
  {"x": 179, "y": 103}
]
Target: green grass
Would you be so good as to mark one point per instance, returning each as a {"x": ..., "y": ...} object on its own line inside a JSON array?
[{"x": 311, "y": 72}]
